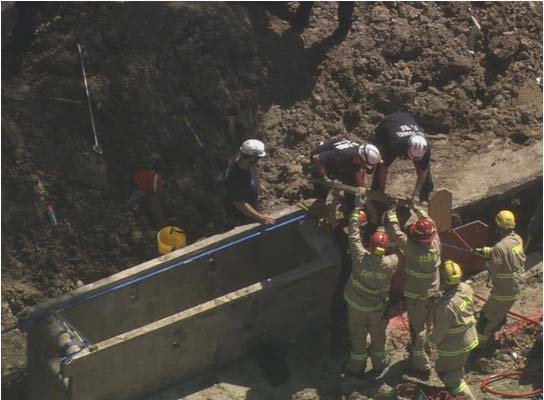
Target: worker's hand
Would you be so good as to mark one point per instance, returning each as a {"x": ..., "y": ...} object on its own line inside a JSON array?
[
  {"x": 266, "y": 219},
  {"x": 360, "y": 197},
  {"x": 391, "y": 216},
  {"x": 327, "y": 179},
  {"x": 485, "y": 252}
]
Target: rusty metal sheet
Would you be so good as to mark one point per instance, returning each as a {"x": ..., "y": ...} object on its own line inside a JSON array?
[{"x": 475, "y": 234}]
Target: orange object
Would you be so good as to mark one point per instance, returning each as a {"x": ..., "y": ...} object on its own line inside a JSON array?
[{"x": 147, "y": 180}]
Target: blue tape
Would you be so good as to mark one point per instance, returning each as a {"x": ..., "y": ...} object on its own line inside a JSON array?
[{"x": 151, "y": 274}]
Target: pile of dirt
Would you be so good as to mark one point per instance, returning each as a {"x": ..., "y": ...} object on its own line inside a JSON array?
[{"x": 230, "y": 72}]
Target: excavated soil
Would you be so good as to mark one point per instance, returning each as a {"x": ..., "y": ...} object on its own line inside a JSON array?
[{"x": 230, "y": 72}]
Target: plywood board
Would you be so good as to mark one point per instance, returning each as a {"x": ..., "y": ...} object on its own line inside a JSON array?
[{"x": 440, "y": 209}]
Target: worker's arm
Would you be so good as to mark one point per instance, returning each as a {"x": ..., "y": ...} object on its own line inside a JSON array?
[
  {"x": 320, "y": 167},
  {"x": 356, "y": 247},
  {"x": 421, "y": 177},
  {"x": 394, "y": 231},
  {"x": 360, "y": 178},
  {"x": 246, "y": 208},
  {"x": 442, "y": 320},
  {"x": 382, "y": 177}
]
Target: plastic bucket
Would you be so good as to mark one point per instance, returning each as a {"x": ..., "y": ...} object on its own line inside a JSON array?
[{"x": 169, "y": 239}]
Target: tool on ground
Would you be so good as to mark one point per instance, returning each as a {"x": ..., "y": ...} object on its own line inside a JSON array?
[
  {"x": 217, "y": 174},
  {"x": 439, "y": 208},
  {"x": 96, "y": 146},
  {"x": 51, "y": 213}
]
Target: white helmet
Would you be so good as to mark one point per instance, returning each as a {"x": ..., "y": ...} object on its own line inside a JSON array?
[
  {"x": 253, "y": 147},
  {"x": 370, "y": 154},
  {"x": 417, "y": 146}
]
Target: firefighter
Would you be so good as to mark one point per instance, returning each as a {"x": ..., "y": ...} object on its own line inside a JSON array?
[
  {"x": 454, "y": 329},
  {"x": 399, "y": 135},
  {"x": 345, "y": 160},
  {"x": 421, "y": 248},
  {"x": 366, "y": 296},
  {"x": 505, "y": 262}
]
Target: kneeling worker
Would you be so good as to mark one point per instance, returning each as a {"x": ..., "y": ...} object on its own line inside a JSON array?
[
  {"x": 243, "y": 186},
  {"x": 366, "y": 295},
  {"x": 454, "y": 329},
  {"x": 505, "y": 263}
]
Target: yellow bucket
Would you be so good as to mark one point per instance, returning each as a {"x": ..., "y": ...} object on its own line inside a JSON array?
[{"x": 169, "y": 239}]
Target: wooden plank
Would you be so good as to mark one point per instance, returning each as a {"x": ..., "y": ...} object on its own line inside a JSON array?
[
  {"x": 373, "y": 195},
  {"x": 440, "y": 209}
]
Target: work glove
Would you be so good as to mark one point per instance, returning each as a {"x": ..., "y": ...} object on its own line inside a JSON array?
[
  {"x": 391, "y": 216},
  {"x": 485, "y": 252},
  {"x": 421, "y": 213}
]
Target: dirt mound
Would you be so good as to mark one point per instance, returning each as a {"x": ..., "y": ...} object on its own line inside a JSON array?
[{"x": 231, "y": 72}]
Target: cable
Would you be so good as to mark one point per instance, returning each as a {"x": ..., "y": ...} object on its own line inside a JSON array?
[
  {"x": 484, "y": 386},
  {"x": 511, "y": 312},
  {"x": 140, "y": 278}
]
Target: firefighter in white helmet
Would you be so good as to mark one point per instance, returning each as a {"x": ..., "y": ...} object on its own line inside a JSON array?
[
  {"x": 366, "y": 294},
  {"x": 243, "y": 186},
  {"x": 454, "y": 329},
  {"x": 505, "y": 262},
  {"x": 399, "y": 135}
]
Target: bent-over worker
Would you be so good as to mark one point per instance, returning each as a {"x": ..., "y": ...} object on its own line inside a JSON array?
[{"x": 399, "y": 135}]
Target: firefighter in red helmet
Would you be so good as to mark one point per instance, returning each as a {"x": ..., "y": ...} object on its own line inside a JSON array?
[
  {"x": 366, "y": 295},
  {"x": 421, "y": 247}
]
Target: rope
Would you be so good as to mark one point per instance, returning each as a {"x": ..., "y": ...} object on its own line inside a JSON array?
[{"x": 143, "y": 277}]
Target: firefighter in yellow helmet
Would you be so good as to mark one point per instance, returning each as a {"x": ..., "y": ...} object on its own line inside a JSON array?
[
  {"x": 421, "y": 248},
  {"x": 454, "y": 329},
  {"x": 366, "y": 295},
  {"x": 505, "y": 262}
]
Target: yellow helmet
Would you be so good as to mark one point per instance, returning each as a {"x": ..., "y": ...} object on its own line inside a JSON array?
[
  {"x": 505, "y": 220},
  {"x": 451, "y": 272}
]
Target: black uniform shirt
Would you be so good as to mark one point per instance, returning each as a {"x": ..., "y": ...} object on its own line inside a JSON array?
[
  {"x": 336, "y": 155},
  {"x": 392, "y": 137},
  {"x": 242, "y": 186}
]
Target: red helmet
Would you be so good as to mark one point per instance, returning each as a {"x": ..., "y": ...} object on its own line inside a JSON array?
[
  {"x": 363, "y": 220},
  {"x": 378, "y": 242},
  {"x": 423, "y": 230}
]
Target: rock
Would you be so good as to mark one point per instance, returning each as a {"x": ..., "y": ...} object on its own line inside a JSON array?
[
  {"x": 306, "y": 394},
  {"x": 12, "y": 139},
  {"x": 379, "y": 14},
  {"x": 88, "y": 169},
  {"x": 408, "y": 12},
  {"x": 385, "y": 392}
]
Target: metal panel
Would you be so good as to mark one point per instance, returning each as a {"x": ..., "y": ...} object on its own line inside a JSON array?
[{"x": 475, "y": 234}]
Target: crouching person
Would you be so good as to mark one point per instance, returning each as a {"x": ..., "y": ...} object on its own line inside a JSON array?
[
  {"x": 454, "y": 329},
  {"x": 366, "y": 295}
]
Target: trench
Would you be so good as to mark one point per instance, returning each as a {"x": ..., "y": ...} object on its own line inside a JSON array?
[{"x": 524, "y": 200}]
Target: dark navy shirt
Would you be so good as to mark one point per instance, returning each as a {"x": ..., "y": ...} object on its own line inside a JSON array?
[
  {"x": 242, "y": 186},
  {"x": 337, "y": 156},
  {"x": 392, "y": 137}
]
